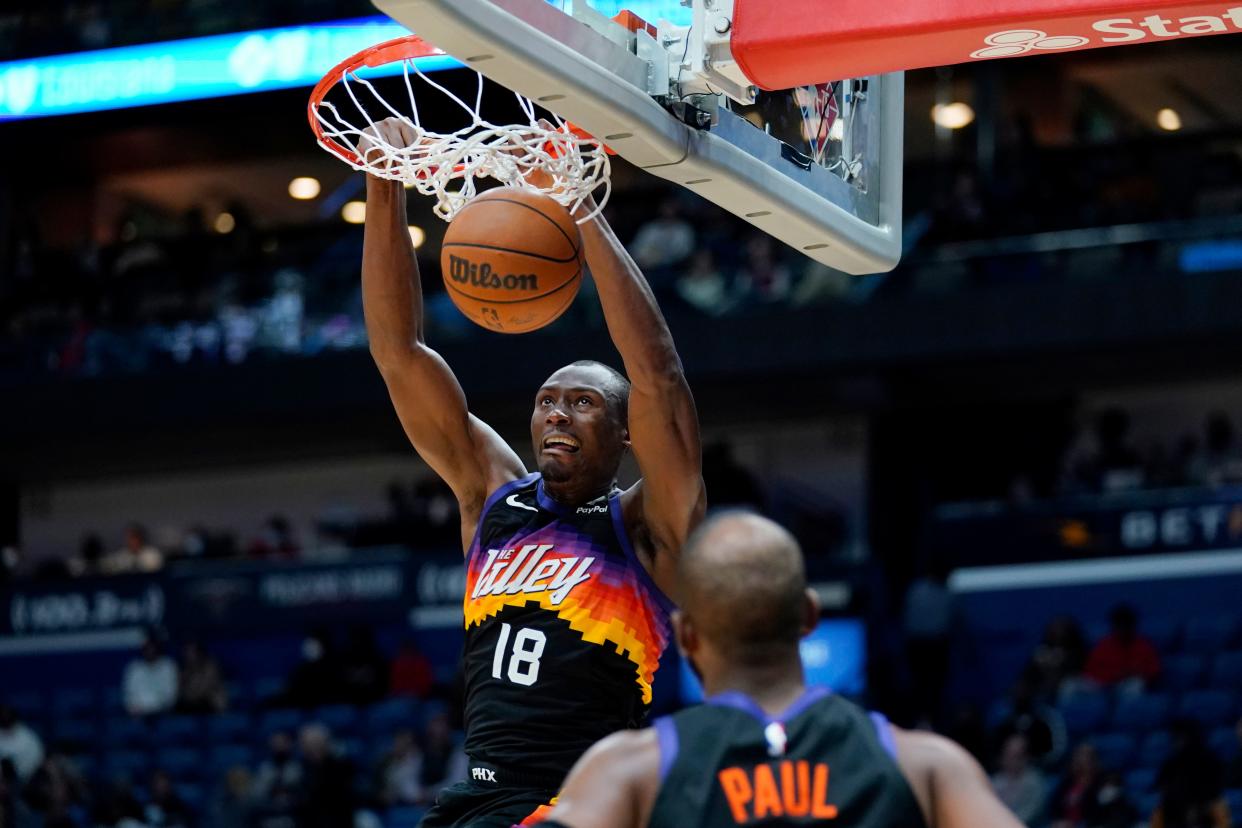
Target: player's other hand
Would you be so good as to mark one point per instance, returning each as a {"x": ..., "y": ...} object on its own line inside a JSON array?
[{"x": 378, "y": 140}]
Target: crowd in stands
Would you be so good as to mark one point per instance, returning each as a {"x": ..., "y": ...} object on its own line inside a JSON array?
[
  {"x": 351, "y": 738},
  {"x": 1122, "y": 732}
]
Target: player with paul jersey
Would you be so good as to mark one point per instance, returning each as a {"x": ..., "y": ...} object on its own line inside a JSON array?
[{"x": 567, "y": 576}]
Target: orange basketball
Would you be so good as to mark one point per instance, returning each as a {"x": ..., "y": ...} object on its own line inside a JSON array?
[{"x": 512, "y": 260}]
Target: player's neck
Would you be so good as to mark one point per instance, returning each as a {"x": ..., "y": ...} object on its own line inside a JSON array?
[
  {"x": 774, "y": 687},
  {"x": 575, "y": 492}
]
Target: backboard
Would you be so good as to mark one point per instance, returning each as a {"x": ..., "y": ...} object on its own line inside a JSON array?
[{"x": 817, "y": 167}]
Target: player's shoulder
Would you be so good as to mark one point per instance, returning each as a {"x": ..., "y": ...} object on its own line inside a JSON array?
[
  {"x": 925, "y": 754},
  {"x": 631, "y": 755}
]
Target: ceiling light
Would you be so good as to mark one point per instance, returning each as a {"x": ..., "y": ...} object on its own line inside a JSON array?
[
  {"x": 952, "y": 115},
  {"x": 225, "y": 223},
  {"x": 354, "y": 212},
  {"x": 417, "y": 236},
  {"x": 1168, "y": 120},
  {"x": 304, "y": 188}
]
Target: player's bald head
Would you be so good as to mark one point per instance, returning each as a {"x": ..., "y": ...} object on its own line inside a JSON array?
[{"x": 744, "y": 585}]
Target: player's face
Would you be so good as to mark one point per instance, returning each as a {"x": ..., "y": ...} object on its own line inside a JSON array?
[{"x": 574, "y": 430}]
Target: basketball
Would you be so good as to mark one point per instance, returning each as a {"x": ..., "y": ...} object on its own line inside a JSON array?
[{"x": 512, "y": 260}]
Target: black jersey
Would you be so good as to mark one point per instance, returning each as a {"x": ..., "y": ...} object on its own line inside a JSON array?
[
  {"x": 825, "y": 761},
  {"x": 564, "y": 630}
]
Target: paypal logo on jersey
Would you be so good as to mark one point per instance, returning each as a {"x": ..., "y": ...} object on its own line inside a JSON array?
[{"x": 528, "y": 570}]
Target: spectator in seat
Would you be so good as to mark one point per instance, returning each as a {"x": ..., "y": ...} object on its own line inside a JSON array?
[
  {"x": 1112, "y": 807},
  {"x": 1057, "y": 663},
  {"x": 150, "y": 684},
  {"x": 55, "y": 790},
  {"x": 411, "y": 673},
  {"x": 1190, "y": 783},
  {"x": 1019, "y": 785},
  {"x": 316, "y": 679},
  {"x": 1124, "y": 657},
  {"x": 444, "y": 761},
  {"x": 1039, "y": 724},
  {"x": 135, "y": 555},
  {"x": 1074, "y": 801},
  {"x": 164, "y": 808},
  {"x": 1219, "y": 462},
  {"x": 704, "y": 287},
  {"x": 325, "y": 797},
  {"x": 364, "y": 669},
  {"x": 1233, "y": 773},
  {"x": 19, "y": 744},
  {"x": 201, "y": 685},
  {"x": 664, "y": 242},
  {"x": 233, "y": 806},
  {"x": 401, "y": 771},
  {"x": 280, "y": 775},
  {"x": 927, "y": 623},
  {"x": 13, "y": 811}
]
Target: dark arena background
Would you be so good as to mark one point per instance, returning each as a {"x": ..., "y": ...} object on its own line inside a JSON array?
[{"x": 230, "y": 592}]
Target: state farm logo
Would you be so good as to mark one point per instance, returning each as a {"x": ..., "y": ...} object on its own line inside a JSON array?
[{"x": 1020, "y": 41}]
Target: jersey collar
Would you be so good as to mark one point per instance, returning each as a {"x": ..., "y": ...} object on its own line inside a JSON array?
[{"x": 740, "y": 701}]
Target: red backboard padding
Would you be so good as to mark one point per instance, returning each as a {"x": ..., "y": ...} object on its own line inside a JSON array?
[{"x": 780, "y": 45}]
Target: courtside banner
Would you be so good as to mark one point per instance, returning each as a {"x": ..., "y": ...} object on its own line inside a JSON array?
[{"x": 799, "y": 42}]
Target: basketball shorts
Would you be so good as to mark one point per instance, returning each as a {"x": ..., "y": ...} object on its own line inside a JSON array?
[{"x": 493, "y": 802}]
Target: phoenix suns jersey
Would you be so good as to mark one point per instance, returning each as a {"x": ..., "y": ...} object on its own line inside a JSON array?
[
  {"x": 564, "y": 630},
  {"x": 823, "y": 762}
]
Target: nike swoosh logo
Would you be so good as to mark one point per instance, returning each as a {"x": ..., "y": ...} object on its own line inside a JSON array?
[{"x": 513, "y": 501}]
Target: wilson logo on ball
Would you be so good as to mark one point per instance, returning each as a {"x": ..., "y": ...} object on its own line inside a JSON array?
[{"x": 467, "y": 272}]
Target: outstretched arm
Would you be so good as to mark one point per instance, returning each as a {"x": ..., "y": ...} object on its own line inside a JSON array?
[
  {"x": 950, "y": 786},
  {"x": 467, "y": 454},
  {"x": 613, "y": 785},
  {"x": 663, "y": 423}
]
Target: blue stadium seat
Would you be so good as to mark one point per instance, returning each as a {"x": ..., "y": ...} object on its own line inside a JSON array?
[
  {"x": 1147, "y": 804},
  {"x": 1115, "y": 749},
  {"x": 1140, "y": 781},
  {"x": 1233, "y": 796},
  {"x": 126, "y": 764},
  {"x": 228, "y": 727},
  {"x": 178, "y": 730},
  {"x": 404, "y": 816},
  {"x": 1224, "y": 743},
  {"x": 1154, "y": 749},
  {"x": 223, "y": 757},
  {"x": 276, "y": 720},
  {"x": 266, "y": 689},
  {"x": 341, "y": 719},
  {"x": 1142, "y": 713},
  {"x": 1163, "y": 632},
  {"x": 77, "y": 701},
  {"x": 29, "y": 706},
  {"x": 1227, "y": 671},
  {"x": 354, "y": 749},
  {"x": 82, "y": 733},
  {"x": 238, "y": 695},
  {"x": 180, "y": 763},
  {"x": 112, "y": 702},
  {"x": 192, "y": 794},
  {"x": 1208, "y": 707},
  {"x": 1209, "y": 633},
  {"x": 124, "y": 731},
  {"x": 390, "y": 715},
  {"x": 1182, "y": 672},
  {"x": 1084, "y": 712}
]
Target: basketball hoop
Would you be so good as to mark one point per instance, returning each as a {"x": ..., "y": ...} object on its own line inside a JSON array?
[{"x": 447, "y": 165}]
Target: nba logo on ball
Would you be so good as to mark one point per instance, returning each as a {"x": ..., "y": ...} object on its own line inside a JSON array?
[{"x": 512, "y": 260}]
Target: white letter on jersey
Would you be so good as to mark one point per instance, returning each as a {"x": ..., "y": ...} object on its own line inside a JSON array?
[{"x": 564, "y": 581}]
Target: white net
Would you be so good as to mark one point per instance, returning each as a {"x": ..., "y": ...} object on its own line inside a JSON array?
[{"x": 448, "y": 165}]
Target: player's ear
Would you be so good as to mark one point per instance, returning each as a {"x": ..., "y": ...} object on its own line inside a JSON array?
[
  {"x": 810, "y": 612},
  {"x": 683, "y": 632}
]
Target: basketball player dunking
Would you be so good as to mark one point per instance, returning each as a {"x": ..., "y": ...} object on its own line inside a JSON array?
[
  {"x": 565, "y": 607},
  {"x": 765, "y": 749}
]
